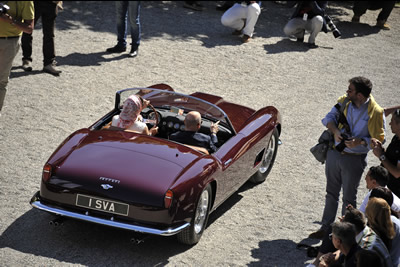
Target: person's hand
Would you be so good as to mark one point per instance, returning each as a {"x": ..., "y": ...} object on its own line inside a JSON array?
[
  {"x": 5, "y": 17},
  {"x": 377, "y": 148},
  {"x": 337, "y": 135},
  {"x": 145, "y": 103},
  {"x": 153, "y": 131},
  {"x": 326, "y": 259},
  {"x": 353, "y": 142},
  {"x": 214, "y": 128}
]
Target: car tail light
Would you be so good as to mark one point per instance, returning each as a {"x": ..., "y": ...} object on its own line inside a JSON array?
[
  {"x": 168, "y": 199},
  {"x": 46, "y": 172}
]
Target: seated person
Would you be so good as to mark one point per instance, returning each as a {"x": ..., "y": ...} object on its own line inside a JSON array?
[
  {"x": 191, "y": 137},
  {"x": 130, "y": 119}
]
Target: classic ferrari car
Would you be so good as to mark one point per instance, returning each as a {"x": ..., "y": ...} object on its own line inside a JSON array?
[{"x": 150, "y": 184}]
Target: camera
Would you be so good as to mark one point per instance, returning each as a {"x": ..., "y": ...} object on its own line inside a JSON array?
[
  {"x": 341, "y": 146},
  {"x": 336, "y": 33},
  {"x": 3, "y": 8}
]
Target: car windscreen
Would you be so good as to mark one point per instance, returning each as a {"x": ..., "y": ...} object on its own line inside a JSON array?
[{"x": 176, "y": 102}]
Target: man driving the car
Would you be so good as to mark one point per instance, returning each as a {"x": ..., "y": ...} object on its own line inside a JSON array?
[{"x": 191, "y": 137}]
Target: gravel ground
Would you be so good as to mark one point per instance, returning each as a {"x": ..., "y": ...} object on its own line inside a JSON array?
[{"x": 191, "y": 51}]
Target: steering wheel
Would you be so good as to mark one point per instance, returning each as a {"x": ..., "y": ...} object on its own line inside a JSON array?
[{"x": 156, "y": 114}]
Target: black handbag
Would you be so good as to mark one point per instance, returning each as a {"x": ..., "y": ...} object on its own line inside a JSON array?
[
  {"x": 320, "y": 150},
  {"x": 325, "y": 141}
]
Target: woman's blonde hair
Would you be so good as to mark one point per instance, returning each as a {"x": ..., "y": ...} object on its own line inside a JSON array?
[{"x": 378, "y": 214}]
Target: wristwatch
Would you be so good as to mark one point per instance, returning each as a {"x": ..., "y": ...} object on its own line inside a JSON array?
[{"x": 382, "y": 157}]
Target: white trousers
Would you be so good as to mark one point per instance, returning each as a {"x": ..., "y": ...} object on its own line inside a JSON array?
[
  {"x": 297, "y": 27},
  {"x": 239, "y": 16}
]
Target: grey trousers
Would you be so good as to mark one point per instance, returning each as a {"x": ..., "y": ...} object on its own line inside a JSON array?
[
  {"x": 342, "y": 171},
  {"x": 8, "y": 49},
  {"x": 298, "y": 26}
]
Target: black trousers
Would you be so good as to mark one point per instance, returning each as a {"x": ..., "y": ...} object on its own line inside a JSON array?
[
  {"x": 47, "y": 10},
  {"x": 360, "y": 7}
]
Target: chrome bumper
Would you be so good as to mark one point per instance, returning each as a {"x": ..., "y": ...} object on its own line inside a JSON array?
[{"x": 35, "y": 202}]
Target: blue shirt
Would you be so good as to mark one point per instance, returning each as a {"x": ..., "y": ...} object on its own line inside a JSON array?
[{"x": 357, "y": 119}]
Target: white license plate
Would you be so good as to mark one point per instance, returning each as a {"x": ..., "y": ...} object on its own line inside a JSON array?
[{"x": 101, "y": 204}]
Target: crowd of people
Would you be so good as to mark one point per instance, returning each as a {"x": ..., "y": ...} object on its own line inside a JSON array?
[
  {"x": 364, "y": 236},
  {"x": 358, "y": 125}
]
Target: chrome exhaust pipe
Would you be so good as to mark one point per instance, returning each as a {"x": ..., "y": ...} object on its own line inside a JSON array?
[
  {"x": 139, "y": 238},
  {"x": 57, "y": 222},
  {"x": 136, "y": 241}
]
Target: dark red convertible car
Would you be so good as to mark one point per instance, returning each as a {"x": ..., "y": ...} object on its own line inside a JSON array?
[{"x": 150, "y": 184}]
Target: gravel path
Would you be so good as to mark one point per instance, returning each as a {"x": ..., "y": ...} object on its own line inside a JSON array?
[{"x": 190, "y": 51}]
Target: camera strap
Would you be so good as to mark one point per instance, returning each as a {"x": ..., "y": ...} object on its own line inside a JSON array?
[{"x": 342, "y": 118}]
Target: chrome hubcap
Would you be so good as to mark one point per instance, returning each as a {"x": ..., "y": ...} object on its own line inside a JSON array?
[
  {"x": 201, "y": 212},
  {"x": 269, "y": 153}
]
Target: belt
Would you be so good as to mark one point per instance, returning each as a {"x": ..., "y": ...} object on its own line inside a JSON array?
[
  {"x": 351, "y": 154},
  {"x": 9, "y": 37}
]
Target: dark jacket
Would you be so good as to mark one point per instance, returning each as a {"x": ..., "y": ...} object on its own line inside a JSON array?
[
  {"x": 196, "y": 139},
  {"x": 312, "y": 8}
]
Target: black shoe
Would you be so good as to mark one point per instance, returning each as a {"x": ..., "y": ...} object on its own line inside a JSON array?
[
  {"x": 116, "y": 49},
  {"x": 318, "y": 234},
  {"x": 193, "y": 5},
  {"x": 134, "y": 52},
  {"x": 312, "y": 45},
  {"x": 227, "y": 5},
  {"x": 300, "y": 40}
]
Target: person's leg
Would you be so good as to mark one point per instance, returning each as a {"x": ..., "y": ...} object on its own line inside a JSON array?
[
  {"x": 26, "y": 43},
  {"x": 359, "y": 8},
  {"x": 235, "y": 17},
  {"x": 333, "y": 171},
  {"x": 48, "y": 20},
  {"x": 387, "y": 7},
  {"x": 314, "y": 26},
  {"x": 134, "y": 21},
  {"x": 353, "y": 168},
  {"x": 296, "y": 27},
  {"x": 121, "y": 8},
  {"x": 8, "y": 50},
  {"x": 253, "y": 11}
]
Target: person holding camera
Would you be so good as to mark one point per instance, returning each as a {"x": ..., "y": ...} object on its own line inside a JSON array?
[
  {"x": 15, "y": 17},
  {"x": 308, "y": 16},
  {"x": 361, "y": 120}
]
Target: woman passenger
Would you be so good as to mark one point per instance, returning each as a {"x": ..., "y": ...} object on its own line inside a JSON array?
[{"x": 130, "y": 119}]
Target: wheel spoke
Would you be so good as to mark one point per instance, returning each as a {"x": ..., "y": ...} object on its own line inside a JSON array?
[
  {"x": 269, "y": 153},
  {"x": 201, "y": 212}
]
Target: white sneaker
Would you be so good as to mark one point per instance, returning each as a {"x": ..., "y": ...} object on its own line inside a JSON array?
[{"x": 26, "y": 65}]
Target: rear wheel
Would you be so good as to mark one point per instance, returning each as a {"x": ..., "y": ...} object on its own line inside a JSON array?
[
  {"x": 268, "y": 159},
  {"x": 191, "y": 235}
]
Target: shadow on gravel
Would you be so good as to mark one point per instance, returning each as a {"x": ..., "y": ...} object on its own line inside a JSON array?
[
  {"x": 229, "y": 203},
  {"x": 270, "y": 253},
  {"x": 17, "y": 72},
  {"x": 91, "y": 59},
  {"x": 353, "y": 30},
  {"x": 74, "y": 240},
  {"x": 186, "y": 24},
  {"x": 83, "y": 243}
]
